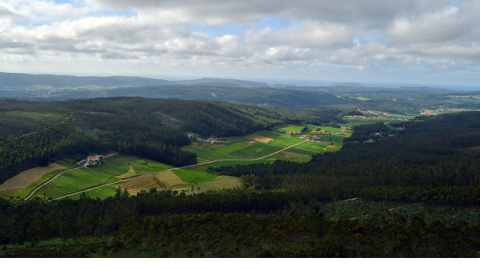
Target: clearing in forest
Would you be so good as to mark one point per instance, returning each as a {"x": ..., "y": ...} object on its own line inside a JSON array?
[
  {"x": 221, "y": 182},
  {"x": 28, "y": 177}
]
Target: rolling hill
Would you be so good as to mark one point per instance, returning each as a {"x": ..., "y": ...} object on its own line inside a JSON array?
[{"x": 349, "y": 95}]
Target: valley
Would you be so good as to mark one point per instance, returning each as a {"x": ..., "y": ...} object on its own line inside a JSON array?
[
  {"x": 131, "y": 174},
  {"x": 239, "y": 129},
  {"x": 376, "y": 176}
]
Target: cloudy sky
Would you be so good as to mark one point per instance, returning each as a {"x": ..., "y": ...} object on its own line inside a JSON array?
[{"x": 424, "y": 42}]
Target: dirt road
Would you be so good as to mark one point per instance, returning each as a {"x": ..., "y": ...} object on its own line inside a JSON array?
[{"x": 171, "y": 169}]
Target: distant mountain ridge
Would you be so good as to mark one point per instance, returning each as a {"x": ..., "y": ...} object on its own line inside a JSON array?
[
  {"x": 351, "y": 95},
  {"x": 21, "y": 80}
]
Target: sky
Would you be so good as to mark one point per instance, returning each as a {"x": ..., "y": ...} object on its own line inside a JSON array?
[{"x": 416, "y": 42}]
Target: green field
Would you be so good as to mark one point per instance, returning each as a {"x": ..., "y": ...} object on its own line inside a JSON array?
[
  {"x": 114, "y": 166},
  {"x": 219, "y": 182},
  {"x": 75, "y": 181},
  {"x": 102, "y": 193},
  {"x": 242, "y": 162},
  {"x": 213, "y": 151},
  {"x": 256, "y": 150},
  {"x": 266, "y": 142},
  {"x": 280, "y": 139},
  {"x": 290, "y": 128},
  {"x": 121, "y": 165},
  {"x": 193, "y": 176},
  {"x": 144, "y": 166},
  {"x": 332, "y": 130},
  {"x": 310, "y": 148}
]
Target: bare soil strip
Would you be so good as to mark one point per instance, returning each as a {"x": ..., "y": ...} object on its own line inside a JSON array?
[
  {"x": 261, "y": 139},
  {"x": 28, "y": 177}
]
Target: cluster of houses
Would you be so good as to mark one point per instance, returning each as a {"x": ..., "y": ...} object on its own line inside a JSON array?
[
  {"x": 313, "y": 138},
  {"x": 211, "y": 140},
  {"x": 91, "y": 161}
]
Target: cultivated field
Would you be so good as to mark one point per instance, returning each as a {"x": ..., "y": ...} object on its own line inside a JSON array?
[
  {"x": 28, "y": 177},
  {"x": 128, "y": 166},
  {"x": 266, "y": 142},
  {"x": 75, "y": 181},
  {"x": 219, "y": 182},
  {"x": 135, "y": 174},
  {"x": 260, "y": 139},
  {"x": 159, "y": 181}
]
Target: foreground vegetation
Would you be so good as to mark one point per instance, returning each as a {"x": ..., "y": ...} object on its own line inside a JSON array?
[{"x": 236, "y": 223}]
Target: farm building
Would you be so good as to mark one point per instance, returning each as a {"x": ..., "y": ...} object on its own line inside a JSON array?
[
  {"x": 93, "y": 160},
  {"x": 213, "y": 140}
]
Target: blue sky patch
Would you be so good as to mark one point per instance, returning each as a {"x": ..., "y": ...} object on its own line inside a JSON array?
[{"x": 271, "y": 22}]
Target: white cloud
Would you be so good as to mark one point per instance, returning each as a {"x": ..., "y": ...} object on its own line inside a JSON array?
[
  {"x": 301, "y": 37},
  {"x": 440, "y": 26},
  {"x": 308, "y": 34}
]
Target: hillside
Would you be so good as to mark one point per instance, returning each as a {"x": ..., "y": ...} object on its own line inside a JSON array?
[
  {"x": 432, "y": 160},
  {"x": 402, "y": 195},
  {"x": 36, "y": 133}
]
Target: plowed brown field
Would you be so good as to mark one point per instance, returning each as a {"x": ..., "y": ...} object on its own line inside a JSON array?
[{"x": 28, "y": 177}]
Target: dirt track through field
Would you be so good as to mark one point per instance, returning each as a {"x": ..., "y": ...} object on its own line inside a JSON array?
[
  {"x": 46, "y": 183},
  {"x": 28, "y": 177},
  {"x": 169, "y": 170}
]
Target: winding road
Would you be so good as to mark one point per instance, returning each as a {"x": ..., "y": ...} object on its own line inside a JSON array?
[{"x": 143, "y": 175}]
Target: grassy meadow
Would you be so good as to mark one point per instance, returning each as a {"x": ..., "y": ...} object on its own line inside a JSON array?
[
  {"x": 129, "y": 166},
  {"x": 74, "y": 181}
]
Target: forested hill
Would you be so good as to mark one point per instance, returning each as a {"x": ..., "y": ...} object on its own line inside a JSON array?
[
  {"x": 432, "y": 160},
  {"x": 393, "y": 100},
  {"x": 36, "y": 133}
]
